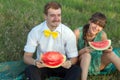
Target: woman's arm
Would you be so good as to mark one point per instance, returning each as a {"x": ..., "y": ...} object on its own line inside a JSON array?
[
  {"x": 104, "y": 37},
  {"x": 77, "y": 33},
  {"x": 84, "y": 50}
]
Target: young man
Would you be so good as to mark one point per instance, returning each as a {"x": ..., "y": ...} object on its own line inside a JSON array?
[{"x": 64, "y": 41}]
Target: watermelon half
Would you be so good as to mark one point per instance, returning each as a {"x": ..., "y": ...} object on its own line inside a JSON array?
[
  {"x": 53, "y": 59},
  {"x": 100, "y": 45}
]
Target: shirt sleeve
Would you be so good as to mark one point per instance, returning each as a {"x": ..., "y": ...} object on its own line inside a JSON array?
[
  {"x": 71, "y": 47},
  {"x": 31, "y": 42}
]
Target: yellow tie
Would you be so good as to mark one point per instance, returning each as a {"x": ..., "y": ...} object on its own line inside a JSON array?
[{"x": 47, "y": 33}]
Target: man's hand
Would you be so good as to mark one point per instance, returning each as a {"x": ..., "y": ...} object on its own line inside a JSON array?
[
  {"x": 67, "y": 64},
  {"x": 39, "y": 64}
]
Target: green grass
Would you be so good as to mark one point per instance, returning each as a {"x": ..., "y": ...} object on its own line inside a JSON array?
[{"x": 18, "y": 17}]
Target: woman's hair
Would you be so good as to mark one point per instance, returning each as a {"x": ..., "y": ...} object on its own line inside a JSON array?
[
  {"x": 53, "y": 5},
  {"x": 97, "y": 18}
]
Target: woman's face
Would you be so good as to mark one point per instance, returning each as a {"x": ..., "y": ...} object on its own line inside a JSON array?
[{"x": 94, "y": 28}]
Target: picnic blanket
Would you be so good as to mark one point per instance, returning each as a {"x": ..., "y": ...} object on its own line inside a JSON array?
[{"x": 14, "y": 70}]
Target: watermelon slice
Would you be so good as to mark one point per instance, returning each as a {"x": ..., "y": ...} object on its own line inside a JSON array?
[
  {"x": 100, "y": 45},
  {"x": 53, "y": 59}
]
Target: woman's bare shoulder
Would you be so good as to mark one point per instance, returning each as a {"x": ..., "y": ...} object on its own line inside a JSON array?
[
  {"x": 77, "y": 32},
  {"x": 104, "y": 35}
]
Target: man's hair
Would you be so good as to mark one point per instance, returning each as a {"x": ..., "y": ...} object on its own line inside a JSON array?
[{"x": 53, "y": 5}]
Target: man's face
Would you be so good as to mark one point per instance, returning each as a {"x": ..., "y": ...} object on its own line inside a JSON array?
[{"x": 53, "y": 17}]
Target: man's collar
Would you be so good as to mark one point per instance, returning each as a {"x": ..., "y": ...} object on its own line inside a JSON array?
[{"x": 58, "y": 29}]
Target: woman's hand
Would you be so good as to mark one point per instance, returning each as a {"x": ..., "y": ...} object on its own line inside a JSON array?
[
  {"x": 109, "y": 50},
  {"x": 85, "y": 50}
]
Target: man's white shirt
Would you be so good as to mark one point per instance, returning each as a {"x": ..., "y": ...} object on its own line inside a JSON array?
[{"x": 65, "y": 43}]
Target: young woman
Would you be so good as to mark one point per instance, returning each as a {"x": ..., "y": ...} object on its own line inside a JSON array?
[{"x": 93, "y": 62}]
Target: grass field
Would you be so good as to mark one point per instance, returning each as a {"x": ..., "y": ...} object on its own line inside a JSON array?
[{"x": 17, "y": 17}]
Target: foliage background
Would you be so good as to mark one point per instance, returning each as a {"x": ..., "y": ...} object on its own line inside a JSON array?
[{"x": 18, "y": 17}]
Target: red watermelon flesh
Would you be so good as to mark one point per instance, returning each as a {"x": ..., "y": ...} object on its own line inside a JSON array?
[
  {"x": 100, "y": 45},
  {"x": 53, "y": 59}
]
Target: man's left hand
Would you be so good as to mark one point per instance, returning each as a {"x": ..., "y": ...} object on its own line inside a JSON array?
[{"x": 67, "y": 64}]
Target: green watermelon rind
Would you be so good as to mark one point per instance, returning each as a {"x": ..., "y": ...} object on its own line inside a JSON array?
[
  {"x": 55, "y": 66},
  {"x": 101, "y": 49}
]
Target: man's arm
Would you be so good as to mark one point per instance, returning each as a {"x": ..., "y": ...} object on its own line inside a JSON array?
[
  {"x": 68, "y": 63},
  {"x": 73, "y": 60},
  {"x": 28, "y": 58}
]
